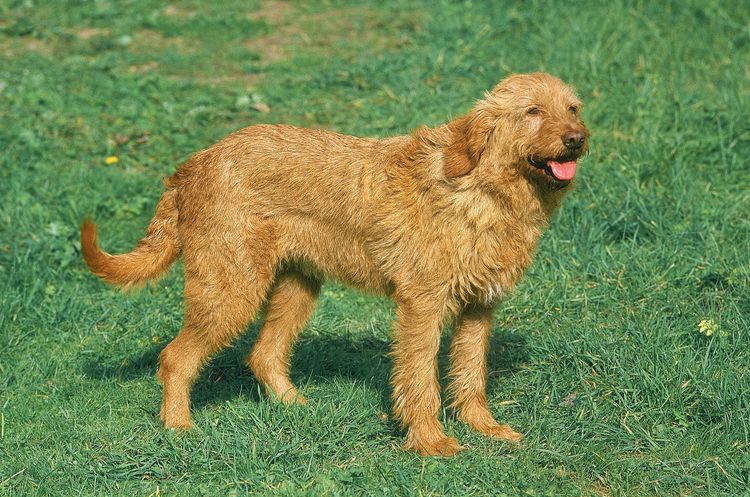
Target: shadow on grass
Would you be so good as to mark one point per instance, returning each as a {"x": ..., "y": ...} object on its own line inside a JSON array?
[
  {"x": 508, "y": 351},
  {"x": 317, "y": 360}
]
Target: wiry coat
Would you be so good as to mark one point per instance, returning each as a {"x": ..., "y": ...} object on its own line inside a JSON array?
[{"x": 444, "y": 220}]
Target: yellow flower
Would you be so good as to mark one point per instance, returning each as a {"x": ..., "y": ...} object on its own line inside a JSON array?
[
  {"x": 112, "y": 159},
  {"x": 708, "y": 327}
]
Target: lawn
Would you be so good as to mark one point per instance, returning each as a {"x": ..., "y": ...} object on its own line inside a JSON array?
[{"x": 598, "y": 356}]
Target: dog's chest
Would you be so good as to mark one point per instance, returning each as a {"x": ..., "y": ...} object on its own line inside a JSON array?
[
  {"x": 494, "y": 291},
  {"x": 491, "y": 266},
  {"x": 492, "y": 284}
]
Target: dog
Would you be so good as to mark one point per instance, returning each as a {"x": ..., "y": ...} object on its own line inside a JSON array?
[{"x": 444, "y": 221}]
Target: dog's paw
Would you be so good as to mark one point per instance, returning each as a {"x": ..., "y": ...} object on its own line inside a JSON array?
[
  {"x": 281, "y": 390},
  {"x": 478, "y": 417},
  {"x": 443, "y": 446},
  {"x": 174, "y": 421},
  {"x": 500, "y": 432},
  {"x": 178, "y": 424},
  {"x": 291, "y": 397}
]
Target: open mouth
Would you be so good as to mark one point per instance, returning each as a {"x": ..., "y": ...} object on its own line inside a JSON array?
[{"x": 562, "y": 169}]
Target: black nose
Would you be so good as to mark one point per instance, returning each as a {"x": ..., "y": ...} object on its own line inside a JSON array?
[{"x": 573, "y": 139}]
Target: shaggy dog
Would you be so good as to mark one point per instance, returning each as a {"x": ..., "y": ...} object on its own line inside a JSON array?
[{"x": 444, "y": 221}]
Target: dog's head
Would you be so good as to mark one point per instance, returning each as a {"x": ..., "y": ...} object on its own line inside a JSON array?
[{"x": 529, "y": 121}]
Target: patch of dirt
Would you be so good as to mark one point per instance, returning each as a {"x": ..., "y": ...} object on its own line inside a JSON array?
[
  {"x": 143, "y": 68},
  {"x": 277, "y": 14},
  {"x": 175, "y": 11},
  {"x": 34, "y": 45},
  {"x": 272, "y": 11},
  {"x": 601, "y": 488},
  {"x": 362, "y": 25},
  {"x": 13, "y": 47},
  {"x": 18, "y": 45},
  {"x": 332, "y": 30},
  {"x": 249, "y": 81},
  {"x": 88, "y": 33},
  {"x": 270, "y": 48},
  {"x": 150, "y": 40}
]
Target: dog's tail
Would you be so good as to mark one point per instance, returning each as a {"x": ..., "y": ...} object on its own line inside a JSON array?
[{"x": 149, "y": 259}]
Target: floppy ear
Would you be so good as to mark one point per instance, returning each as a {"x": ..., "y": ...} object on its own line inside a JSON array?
[{"x": 462, "y": 151}]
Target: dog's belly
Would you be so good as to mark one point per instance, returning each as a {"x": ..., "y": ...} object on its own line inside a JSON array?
[{"x": 328, "y": 251}]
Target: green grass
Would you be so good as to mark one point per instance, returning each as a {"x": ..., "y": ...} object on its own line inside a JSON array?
[{"x": 597, "y": 355}]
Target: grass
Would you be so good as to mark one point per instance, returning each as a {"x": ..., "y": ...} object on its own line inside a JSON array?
[{"x": 597, "y": 355}]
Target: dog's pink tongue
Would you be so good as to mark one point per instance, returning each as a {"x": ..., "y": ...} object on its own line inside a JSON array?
[{"x": 563, "y": 171}]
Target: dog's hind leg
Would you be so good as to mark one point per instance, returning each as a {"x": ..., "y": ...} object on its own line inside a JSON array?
[
  {"x": 289, "y": 307},
  {"x": 224, "y": 289},
  {"x": 468, "y": 374}
]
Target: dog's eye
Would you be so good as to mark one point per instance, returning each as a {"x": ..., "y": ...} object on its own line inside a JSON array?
[
  {"x": 573, "y": 109},
  {"x": 533, "y": 111}
]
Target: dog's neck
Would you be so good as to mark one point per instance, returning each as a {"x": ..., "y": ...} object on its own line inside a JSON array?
[
  {"x": 512, "y": 194},
  {"x": 497, "y": 184},
  {"x": 549, "y": 195}
]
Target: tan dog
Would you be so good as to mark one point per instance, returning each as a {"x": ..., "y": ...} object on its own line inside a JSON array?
[{"x": 444, "y": 221}]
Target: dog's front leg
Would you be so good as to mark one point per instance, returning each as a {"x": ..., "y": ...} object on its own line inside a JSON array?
[
  {"x": 469, "y": 373},
  {"x": 416, "y": 391}
]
